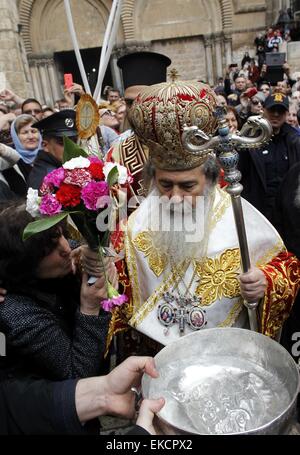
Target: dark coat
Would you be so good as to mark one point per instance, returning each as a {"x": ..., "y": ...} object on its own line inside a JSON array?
[
  {"x": 289, "y": 228},
  {"x": 40, "y": 407},
  {"x": 16, "y": 183},
  {"x": 47, "y": 336},
  {"x": 33, "y": 407},
  {"x": 5, "y": 192},
  {"x": 251, "y": 165},
  {"x": 43, "y": 164}
]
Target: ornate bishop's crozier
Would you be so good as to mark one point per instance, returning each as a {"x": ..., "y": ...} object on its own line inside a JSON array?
[{"x": 256, "y": 132}]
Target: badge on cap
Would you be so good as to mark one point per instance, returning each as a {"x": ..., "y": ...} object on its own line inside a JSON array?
[
  {"x": 278, "y": 97},
  {"x": 69, "y": 122}
]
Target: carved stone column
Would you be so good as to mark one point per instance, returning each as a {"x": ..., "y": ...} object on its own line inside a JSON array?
[
  {"x": 44, "y": 77},
  {"x": 55, "y": 86},
  {"x": 209, "y": 59},
  {"x": 228, "y": 49},
  {"x": 218, "y": 55},
  {"x": 35, "y": 81},
  {"x": 116, "y": 73},
  {"x": 45, "y": 82}
]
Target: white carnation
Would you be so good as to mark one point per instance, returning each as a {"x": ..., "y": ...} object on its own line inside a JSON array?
[
  {"x": 77, "y": 163},
  {"x": 33, "y": 203},
  {"x": 122, "y": 170}
]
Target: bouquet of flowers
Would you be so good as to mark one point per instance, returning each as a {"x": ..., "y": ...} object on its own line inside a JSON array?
[{"x": 83, "y": 188}]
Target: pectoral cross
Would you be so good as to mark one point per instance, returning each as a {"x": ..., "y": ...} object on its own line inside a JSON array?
[{"x": 181, "y": 310}]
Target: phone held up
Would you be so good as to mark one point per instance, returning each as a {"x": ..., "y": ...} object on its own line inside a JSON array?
[{"x": 68, "y": 80}]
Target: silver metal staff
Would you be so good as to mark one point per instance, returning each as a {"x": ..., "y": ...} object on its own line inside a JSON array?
[{"x": 256, "y": 132}]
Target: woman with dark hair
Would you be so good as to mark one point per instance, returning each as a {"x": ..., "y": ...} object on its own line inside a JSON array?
[
  {"x": 54, "y": 325},
  {"x": 232, "y": 119}
]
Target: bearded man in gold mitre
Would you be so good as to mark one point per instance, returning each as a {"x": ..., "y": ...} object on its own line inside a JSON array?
[{"x": 182, "y": 252}]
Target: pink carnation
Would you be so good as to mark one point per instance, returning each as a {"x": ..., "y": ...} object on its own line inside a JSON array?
[
  {"x": 92, "y": 192},
  {"x": 55, "y": 177},
  {"x": 50, "y": 205},
  {"x": 46, "y": 189},
  {"x": 78, "y": 177},
  {"x": 109, "y": 304}
]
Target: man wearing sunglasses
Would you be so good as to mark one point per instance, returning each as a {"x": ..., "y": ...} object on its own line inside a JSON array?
[
  {"x": 52, "y": 128},
  {"x": 263, "y": 170}
]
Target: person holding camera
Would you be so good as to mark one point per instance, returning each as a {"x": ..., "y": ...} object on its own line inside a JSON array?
[{"x": 239, "y": 85}]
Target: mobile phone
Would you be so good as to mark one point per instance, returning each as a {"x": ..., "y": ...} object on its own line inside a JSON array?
[{"x": 68, "y": 80}]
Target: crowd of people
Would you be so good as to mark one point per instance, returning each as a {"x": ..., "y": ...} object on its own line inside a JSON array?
[{"x": 57, "y": 334}]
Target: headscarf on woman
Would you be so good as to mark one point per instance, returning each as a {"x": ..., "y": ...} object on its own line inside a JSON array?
[{"x": 28, "y": 156}]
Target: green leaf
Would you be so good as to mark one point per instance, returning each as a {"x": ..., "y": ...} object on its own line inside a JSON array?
[
  {"x": 72, "y": 150},
  {"x": 42, "y": 225},
  {"x": 113, "y": 176}
]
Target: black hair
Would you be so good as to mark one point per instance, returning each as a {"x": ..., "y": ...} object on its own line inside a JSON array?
[
  {"x": 30, "y": 100},
  {"x": 19, "y": 259}
]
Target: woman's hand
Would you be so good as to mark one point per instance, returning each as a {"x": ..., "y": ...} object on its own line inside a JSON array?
[
  {"x": 91, "y": 263},
  {"x": 92, "y": 295}
]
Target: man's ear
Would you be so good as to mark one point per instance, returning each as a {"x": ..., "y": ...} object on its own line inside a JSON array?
[{"x": 45, "y": 145}]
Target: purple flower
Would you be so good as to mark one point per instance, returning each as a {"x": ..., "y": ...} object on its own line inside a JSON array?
[
  {"x": 50, "y": 205},
  {"x": 55, "y": 177},
  {"x": 109, "y": 304},
  {"x": 92, "y": 192}
]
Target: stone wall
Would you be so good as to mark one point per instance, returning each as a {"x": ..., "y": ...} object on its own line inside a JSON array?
[
  {"x": 187, "y": 55},
  {"x": 13, "y": 62},
  {"x": 200, "y": 36}
]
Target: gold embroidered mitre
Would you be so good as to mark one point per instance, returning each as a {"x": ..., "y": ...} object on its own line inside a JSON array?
[{"x": 159, "y": 114}]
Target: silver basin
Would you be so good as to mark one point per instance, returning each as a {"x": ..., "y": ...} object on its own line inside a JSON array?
[{"x": 225, "y": 381}]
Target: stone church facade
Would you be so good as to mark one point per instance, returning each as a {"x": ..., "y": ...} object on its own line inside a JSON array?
[{"x": 201, "y": 37}]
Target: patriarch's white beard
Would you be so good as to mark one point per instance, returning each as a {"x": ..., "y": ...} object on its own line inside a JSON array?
[{"x": 180, "y": 231}]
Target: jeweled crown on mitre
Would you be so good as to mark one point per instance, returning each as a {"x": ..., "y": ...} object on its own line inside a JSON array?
[{"x": 159, "y": 114}]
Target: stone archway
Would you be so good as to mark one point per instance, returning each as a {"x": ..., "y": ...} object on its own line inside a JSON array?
[
  {"x": 45, "y": 31},
  {"x": 204, "y": 29},
  {"x": 222, "y": 7},
  {"x": 34, "y": 15}
]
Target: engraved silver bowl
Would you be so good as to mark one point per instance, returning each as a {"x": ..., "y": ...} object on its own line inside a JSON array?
[{"x": 225, "y": 381}]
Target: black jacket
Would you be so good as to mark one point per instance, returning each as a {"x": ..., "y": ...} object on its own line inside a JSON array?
[
  {"x": 16, "y": 182},
  {"x": 288, "y": 209},
  {"x": 39, "y": 407},
  {"x": 32, "y": 407},
  {"x": 5, "y": 192},
  {"x": 251, "y": 165},
  {"x": 43, "y": 164},
  {"x": 48, "y": 337}
]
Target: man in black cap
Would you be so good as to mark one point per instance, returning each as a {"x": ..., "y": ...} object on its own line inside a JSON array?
[
  {"x": 263, "y": 170},
  {"x": 52, "y": 129},
  {"x": 139, "y": 70}
]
